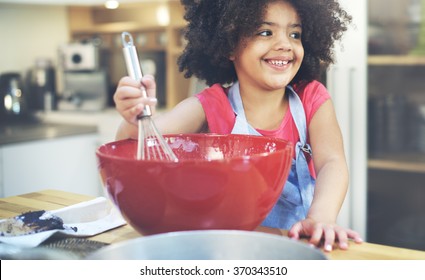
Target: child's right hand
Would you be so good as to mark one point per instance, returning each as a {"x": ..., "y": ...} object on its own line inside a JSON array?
[{"x": 129, "y": 100}]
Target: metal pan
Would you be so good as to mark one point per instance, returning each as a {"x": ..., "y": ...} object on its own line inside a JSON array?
[{"x": 210, "y": 245}]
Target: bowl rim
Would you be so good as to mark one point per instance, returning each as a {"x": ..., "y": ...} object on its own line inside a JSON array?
[
  {"x": 131, "y": 246},
  {"x": 288, "y": 145}
]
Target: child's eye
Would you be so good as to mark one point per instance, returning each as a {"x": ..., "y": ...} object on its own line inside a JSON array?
[
  {"x": 265, "y": 33},
  {"x": 295, "y": 35}
]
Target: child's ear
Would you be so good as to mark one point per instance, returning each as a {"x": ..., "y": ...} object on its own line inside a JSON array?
[{"x": 231, "y": 57}]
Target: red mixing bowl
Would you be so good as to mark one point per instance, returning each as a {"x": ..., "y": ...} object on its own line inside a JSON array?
[{"x": 219, "y": 182}]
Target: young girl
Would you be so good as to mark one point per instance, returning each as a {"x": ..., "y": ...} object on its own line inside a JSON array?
[{"x": 261, "y": 59}]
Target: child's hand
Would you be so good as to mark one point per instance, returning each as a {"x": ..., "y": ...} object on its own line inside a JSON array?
[
  {"x": 328, "y": 233},
  {"x": 129, "y": 100}
]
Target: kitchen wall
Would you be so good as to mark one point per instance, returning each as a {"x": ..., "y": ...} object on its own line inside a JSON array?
[{"x": 28, "y": 32}]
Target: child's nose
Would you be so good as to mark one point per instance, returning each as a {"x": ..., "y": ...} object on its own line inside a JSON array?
[{"x": 283, "y": 42}]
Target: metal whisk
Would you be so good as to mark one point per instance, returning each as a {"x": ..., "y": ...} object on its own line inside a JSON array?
[{"x": 151, "y": 144}]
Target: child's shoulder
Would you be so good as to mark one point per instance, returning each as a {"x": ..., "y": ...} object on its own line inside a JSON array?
[
  {"x": 216, "y": 92},
  {"x": 217, "y": 108},
  {"x": 312, "y": 87},
  {"x": 311, "y": 91},
  {"x": 312, "y": 94}
]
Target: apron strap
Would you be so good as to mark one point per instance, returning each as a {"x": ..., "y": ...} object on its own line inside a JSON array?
[
  {"x": 302, "y": 148},
  {"x": 241, "y": 124},
  {"x": 298, "y": 115}
]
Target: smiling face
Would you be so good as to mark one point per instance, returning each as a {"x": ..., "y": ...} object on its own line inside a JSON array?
[{"x": 270, "y": 58}]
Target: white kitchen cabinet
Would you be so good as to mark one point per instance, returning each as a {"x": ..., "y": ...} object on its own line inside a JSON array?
[
  {"x": 64, "y": 163},
  {"x": 347, "y": 83}
]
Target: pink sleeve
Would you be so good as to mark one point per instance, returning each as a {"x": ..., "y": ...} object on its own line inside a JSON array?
[
  {"x": 313, "y": 95},
  {"x": 217, "y": 108}
]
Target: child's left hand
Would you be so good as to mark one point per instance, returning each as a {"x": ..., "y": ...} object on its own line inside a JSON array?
[{"x": 328, "y": 233}]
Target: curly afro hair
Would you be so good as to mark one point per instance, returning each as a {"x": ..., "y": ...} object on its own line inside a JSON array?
[{"x": 215, "y": 27}]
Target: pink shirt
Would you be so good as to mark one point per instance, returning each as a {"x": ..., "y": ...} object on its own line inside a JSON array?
[{"x": 221, "y": 118}]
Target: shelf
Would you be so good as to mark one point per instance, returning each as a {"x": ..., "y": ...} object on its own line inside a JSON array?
[
  {"x": 406, "y": 60},
  {"x": 404, "y": 162},
  {"x": 116, "y": 27}
]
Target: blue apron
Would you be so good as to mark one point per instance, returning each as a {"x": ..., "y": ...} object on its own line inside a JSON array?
[{"x": 295, "y": 200}]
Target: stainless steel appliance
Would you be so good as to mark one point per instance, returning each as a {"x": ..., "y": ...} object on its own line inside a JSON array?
[
  {"x": 41, "y": 85},
  {"x": 12, "y": 97},
  {"x": 80, "y": 57},
  {"x": 85, "y": 91},
  {"x": 85, "y": 80}
]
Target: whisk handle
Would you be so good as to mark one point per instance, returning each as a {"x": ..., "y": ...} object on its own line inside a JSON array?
[{"x": 133, "y": 66}]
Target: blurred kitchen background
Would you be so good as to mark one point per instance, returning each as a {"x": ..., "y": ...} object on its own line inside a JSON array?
[{"x": 60, "y": 62}]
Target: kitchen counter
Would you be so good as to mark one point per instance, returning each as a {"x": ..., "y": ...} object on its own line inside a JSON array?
[
  {"x": 34, "y": 131},
  {"x": 54, "y": 199},
  {"x": 34, "y": 147}
]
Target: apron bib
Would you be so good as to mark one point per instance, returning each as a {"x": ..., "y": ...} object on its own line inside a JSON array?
[{"x": 295, "y": 200}]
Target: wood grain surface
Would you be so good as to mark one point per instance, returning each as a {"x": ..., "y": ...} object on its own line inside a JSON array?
[{"x": 55, "y": 199}]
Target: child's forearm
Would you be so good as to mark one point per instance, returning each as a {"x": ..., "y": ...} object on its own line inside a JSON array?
[
  {"x": 126, "y": 130},
  {"x": 331, "y": 188}
]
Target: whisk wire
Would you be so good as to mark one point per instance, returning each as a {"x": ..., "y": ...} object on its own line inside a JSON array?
[
  {"x": 140, "y": 143},
  {"x": 152, "y": 145}
]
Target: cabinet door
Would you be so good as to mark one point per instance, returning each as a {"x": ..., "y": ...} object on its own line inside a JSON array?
[
  {"x": 67, "y": 164},
  {"x": 396, "y": 123},
  {"x": 347, "y": 83}
]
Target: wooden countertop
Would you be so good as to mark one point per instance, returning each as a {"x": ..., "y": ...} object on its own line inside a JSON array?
[{"x": 55, "y": 199}]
